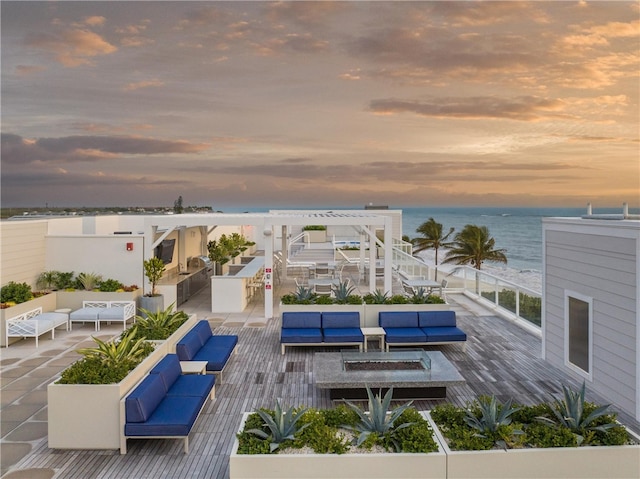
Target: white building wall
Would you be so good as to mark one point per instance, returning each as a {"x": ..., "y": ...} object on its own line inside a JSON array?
[
  {"x": 598, "y": 259},
  {"x": 22, "y": 251}
]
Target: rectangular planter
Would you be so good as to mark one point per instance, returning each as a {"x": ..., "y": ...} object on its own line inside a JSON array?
[
  {"x": 74, "y": 299},
  {"x": 316, "y": 236},
  {"x": 566, "y": 462},
  {"x": 88, "y": 416},
  {"x": 48, "y": 302},
  {"x": 334, "y": 466}
]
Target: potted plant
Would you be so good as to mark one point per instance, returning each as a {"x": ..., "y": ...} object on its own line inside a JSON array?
[
  {"x": 344, "y": 441},
  {"x": 490, "y": 439},
  {"x": 154, "y": 269},
  {"x": 159, "y": 325}
]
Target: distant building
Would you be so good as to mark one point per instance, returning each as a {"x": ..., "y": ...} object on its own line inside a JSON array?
[{"x": 591, "y": 304}]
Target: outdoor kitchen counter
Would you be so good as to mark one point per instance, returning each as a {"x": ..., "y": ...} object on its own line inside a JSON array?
[{"x": 230, "y": 292}]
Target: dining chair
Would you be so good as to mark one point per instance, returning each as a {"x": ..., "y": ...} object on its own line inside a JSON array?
[
  {"x": 323, "y": 289},
  {"x": 323, "y": 271},
  {"x": 443, "y": 286},
  {"x": 408, "y": 290}
]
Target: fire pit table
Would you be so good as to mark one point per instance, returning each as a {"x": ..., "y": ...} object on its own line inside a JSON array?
[{"x": 414, "y": 373}]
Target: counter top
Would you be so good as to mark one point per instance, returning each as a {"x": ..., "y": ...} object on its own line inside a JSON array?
[
  {"x": 175, "y": 277},
  {"x": 248, "y": 270}
]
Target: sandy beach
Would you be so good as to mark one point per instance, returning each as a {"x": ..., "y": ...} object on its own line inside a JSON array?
[{"x": 529, "y": 279}]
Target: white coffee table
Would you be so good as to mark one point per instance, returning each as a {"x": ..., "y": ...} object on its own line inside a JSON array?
[
  {"x": 193, "y": 367},
  {"x": 373, "y": 333}
]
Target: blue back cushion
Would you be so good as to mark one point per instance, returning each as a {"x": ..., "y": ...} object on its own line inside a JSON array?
[
  {"x": 312, "y": 319},
  {"x": 203, "y": 329},
  {"x": 341, "y": 319},
  {"x": 398, "y": 319},
  {"x": 188, "y": 346},
  {"x": 429, "y": 319},
  {"x": 144, "y": 399},
  {"x": 169, "y": 369}
]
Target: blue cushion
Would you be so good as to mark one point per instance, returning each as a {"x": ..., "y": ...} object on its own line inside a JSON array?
[
  {"x": 89, "y": 314},
  {"x": 341, "y": 319},
  {"x": 223, "y": 340},
  {"x": 429, "y": 319},
  {"x": 116, "y": 312},
  {"x": 145, "y": 398},
  {"x": 299, "y": 320},
  {"x": 301, "y": 335},
  {"x": 405, "y": 335},
  {"x": 188, "y": 346},
  {"x": 169, "y": 369},
  {"x": 342, "y": 335},
  {"x": 203, "y": 329},
  {"x": 174, "y": 416},
  {"x": 398, "y": 319},
  {"x": 216, "y": 356},
  {"x": 444, "y": 333},
  {"x": 192, "y": 385}
]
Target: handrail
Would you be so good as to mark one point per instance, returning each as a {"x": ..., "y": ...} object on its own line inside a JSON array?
[{"x": 295, "y": 240}]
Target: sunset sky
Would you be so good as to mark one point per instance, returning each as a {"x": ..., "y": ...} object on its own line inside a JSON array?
[{"x": 303, "y": 104}]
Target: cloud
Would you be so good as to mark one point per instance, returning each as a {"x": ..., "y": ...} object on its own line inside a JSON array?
[
  {"x": 24, "y": 70},
  {"x": 72, "y": 47},
  {"x": 143, "y": 84},
  {"x": 19, "y": 151},
  {"x": 524, "y": 108}
]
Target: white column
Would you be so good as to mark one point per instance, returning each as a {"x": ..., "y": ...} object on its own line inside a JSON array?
[
  {"x": 268, "y": 271},
  {"x": 388, "y": 254}
]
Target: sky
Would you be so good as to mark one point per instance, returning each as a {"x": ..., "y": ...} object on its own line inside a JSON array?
[{"x": 302, "y": 104}]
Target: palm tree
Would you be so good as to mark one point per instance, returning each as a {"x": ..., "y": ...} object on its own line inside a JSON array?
[
  {"x": 432, "y": 237},
  {"x": 473, "y": 245}
]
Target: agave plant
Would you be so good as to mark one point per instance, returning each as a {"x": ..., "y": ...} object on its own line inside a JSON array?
[
  {"x": 492, "y": 415},
  {"x": 114, "y": 353},
  {"x": 571, "y": 413},
  {"x": 377, "y": 297},
  {"x": 161, "y": 324},
  {"x": 419, "y": 296},
  {"x": 282, "y": 425},
  {"x": 303, "y": 293},
  {"x": 89, "y": 281},
  {"x": 342, "y": 291},
  {"x": 379, "y": 419}
]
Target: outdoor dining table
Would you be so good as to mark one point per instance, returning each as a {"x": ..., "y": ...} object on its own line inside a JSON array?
[
  {"x": 427, "y": 284},
  {"x": 324, "y": 281}
]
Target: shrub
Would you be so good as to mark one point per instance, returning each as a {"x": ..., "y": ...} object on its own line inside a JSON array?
[
  {"x": 14, "y": 292},
  {"x": 110, "y": 285},
  {"x": 314, "y": 228}
]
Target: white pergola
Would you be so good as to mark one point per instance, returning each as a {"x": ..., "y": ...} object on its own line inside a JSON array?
[{"x": 365, "y": 222}]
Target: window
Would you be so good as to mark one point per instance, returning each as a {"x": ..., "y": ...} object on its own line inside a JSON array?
[{"x": 578, "y": 333}]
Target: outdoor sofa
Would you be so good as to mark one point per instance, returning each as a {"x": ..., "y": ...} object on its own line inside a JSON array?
[
  {"x": 420, "y": 328},
  {"x": 104, "y": 311},
  {"x": 165, "y": 404},
  {"x": 34, "y": 323},
  {"x": 200, "y": 344},
  {"x": 316, "y": 328}
]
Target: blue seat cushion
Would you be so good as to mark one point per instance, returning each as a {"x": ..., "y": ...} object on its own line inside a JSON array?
[
  {"x": 216, "y": 356},
  {"x": 116, "y": 312},
  {"x": 169, "y": 369},
  {"x": 405, "y": 335},
  {"x": 398, "y": 319},
  {"x": 87, "y": 314},
  {"x": 341, "y": 319},
  {"x": 301, "y": 335},
  {"x": 174, "y": 416},
  {"x": 343, "y": 335},
  {"x": 429, "y": 319},
  {"x": 297, "y": 320},
  {"x": 203, "y": 329},
  {"x": 198, "y": 385},
  {"x": 223, "y": 341},
  {"x": 144, "y": 399},
  {"x": 444, "y": 333},
  {"x": 188, "y": 346}
]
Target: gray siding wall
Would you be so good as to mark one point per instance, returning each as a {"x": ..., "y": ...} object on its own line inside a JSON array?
[
  {"x": 22, "y": 251},
  {"x": 603, "y": 268}
]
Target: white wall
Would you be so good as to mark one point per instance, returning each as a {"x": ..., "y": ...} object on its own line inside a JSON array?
[{"x": 22, "y": 251}]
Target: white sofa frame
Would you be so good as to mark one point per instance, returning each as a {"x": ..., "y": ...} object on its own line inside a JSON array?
[
  {"x": 34, "y": 323},
  {"x": 129, "y": 311}
]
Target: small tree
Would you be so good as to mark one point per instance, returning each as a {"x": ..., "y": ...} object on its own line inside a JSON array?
[
  {"x": 154, "y": 269},
  {"x": 177, "y": 206}
]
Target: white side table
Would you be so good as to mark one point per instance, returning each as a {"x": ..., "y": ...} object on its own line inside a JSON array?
[
  {"x": 193, "y": 367},
  {"x": 373, "y": 333}
]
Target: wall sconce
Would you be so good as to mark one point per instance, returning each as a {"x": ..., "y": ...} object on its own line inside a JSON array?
[{"x": 129, "y": 246}]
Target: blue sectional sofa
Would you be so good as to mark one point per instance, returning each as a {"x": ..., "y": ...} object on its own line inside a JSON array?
[
  {"x": 166, "y": 403},
  {"x": 200, "y": 344},
  {"x": 419, "y": 328},
  {"x": 316, "y": 329}
]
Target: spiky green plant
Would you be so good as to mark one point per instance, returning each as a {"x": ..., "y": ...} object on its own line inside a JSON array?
[
  {"x": 303, "y": 293},
  {"x": 492, "y": 415},
  {"x": 282, "y": 425},
  {"x": 377, "y": 297},
  {"x": 89, "y": 281},
  {"x": 571, "y": 413},
  {"x": 419, "y": 296},
  {"x": 161, "y": 324},
  {"x": 342, "y": 291},
  {"x": 379, "y": 419},
  {"x": 46, "y": 279},
  {"x": 113, "y": 353}
]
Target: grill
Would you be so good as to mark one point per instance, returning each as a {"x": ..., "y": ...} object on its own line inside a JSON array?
[{"x": 201, "y": 262}]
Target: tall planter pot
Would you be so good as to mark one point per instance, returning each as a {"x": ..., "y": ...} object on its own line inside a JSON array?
[
  {"x": 567, "y": 462},
  {"x": 90, "y": 416},
  {"x": 336, "y": 466},
  {"x": 151, "y": 303},
  {"x": 48, "y": 302}
]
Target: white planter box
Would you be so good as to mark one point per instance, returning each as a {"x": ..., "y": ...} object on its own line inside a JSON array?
[
  {"x": 48, "y": 302},
  {"x": 335, "y": 466},
  {"x": 88, "y": 416},
  {"x": 316, "y": 236},
  {"x": 565, "y": 462}
]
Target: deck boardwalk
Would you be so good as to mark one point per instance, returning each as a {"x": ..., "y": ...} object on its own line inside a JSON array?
[{"x": 500, "y": 359}]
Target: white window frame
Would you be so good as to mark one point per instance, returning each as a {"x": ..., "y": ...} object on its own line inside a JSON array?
[{"x": 573, "y": 367}]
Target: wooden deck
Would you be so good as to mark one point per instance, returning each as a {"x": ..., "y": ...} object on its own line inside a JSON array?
[{"x": 500, "y": 359}]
